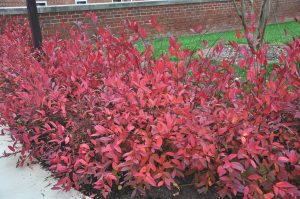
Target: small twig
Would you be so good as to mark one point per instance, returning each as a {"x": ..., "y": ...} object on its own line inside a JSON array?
[
  {"x": 185, "y": 185},
  {"x": 241, "y": 14},
  {"x": 238, "y": 11},
  {"x": 9, "y": 154},
  {"x": 290, "y": 130},
  {"x": 263, "y": 19}
]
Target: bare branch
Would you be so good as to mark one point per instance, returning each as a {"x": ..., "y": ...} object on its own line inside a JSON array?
[
  {"x": 9, "y": 154},
  {"x": 237, "y": 9},
  {"x": 263, "y": 19},
  {"x": 241, "y": 14}
]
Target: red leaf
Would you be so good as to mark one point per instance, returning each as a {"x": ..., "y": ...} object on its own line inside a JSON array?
[
  {"x": 224, "y": 64},
  {"x": 204, "y": 43},
  {"x": 150, "y": 180},
  {"x": 238, "y": 34},
  {"x": 99, "y": 183},
  {"x": 283, "y": 159},
  {"x": 61, "y": 168},
  {"x": 100, "y": 130},
  {"x": 94, "y": 17},
  {"x": 254, "y": 177},
  {"x": 192, "y": 140},
  {"x": 143, "y": 32},
  {"x": 157, "y": 176},
  {"x": 221, "y": 171},
  {"x": 278, "y": 145},
  {"x": 159, "y": 142},
  {"x": 172, "y": 41},
  {"x": 234, "y": 44},
  {"x": 161, "y": 183},
  {"x": 237, "y": 166},
  {"x": 85, "y": 146},
  {"x": 269, "y": 195},
  {"x": 133, "y": 193},
  {"x": 25, "y": 138},
  {"x": 69, "y": 184},
  {"x": 158, "y": 28},
  {"x": 293, "y": 157},
  {"x": 67, "y": 140},
  {"x": 117, "y": 148},
  {"x": 12, "y": 148},
  {"x": 247, "y": 131},
  {"x": 197, "y": 29},
  {"x": 276, "y": 190},
  {"x": 75, "y": 180},
  {"x": 221, "y": 131},
  {"x": 177, "y": 162},
  {"x": 284, "y": 184},
  {"x": 110, "y": 178},
  {"x": 153, "y": 21},
  {"x": 60, "y": 130}
]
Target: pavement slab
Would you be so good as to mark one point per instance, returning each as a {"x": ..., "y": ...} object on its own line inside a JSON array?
[{"x": 28, "y": 182}]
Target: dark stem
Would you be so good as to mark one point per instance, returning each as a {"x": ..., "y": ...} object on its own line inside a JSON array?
[{"x": 9, "y": 154}]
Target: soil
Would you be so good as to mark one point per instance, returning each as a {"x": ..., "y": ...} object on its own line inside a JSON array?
[
  {"x": 186, "y": 192},
  {"x": 164, "y": 193}
]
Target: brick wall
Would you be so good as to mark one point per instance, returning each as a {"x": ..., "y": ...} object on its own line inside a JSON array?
[
  {"x": 15, "y": 3},
  {"x": 175, "y": 18},
  {"x": 12, "y": 3}
]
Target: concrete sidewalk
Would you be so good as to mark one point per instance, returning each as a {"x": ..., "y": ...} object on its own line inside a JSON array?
[{"x": 27, "y": 182}]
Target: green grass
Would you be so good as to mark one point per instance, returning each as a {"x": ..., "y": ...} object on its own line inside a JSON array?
[{"x": 274, "y": 35}]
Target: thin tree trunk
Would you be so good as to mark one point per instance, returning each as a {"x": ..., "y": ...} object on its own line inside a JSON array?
[
  {"x": 34, "y": 23},
  {"x": 262, "y": 23},
  {"x": 241, "y": 14},
  {"x": 263, "y": 20}
]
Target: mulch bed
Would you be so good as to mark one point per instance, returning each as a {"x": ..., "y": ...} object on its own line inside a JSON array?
[
  {"x": 186, "y": 192},
  {"x": 273, "y": 53}
]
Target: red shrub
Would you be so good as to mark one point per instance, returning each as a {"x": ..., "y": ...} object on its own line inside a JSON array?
[{"x": 96, "y": 110}]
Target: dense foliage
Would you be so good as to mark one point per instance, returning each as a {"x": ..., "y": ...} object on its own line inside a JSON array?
[{"x": 97, "y": 111}]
